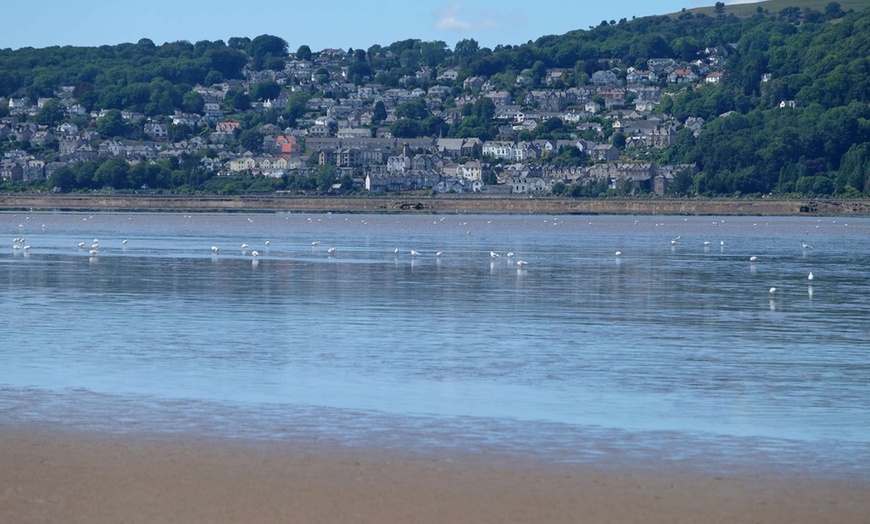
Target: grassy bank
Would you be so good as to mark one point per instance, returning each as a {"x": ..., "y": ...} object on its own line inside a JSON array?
[{"x": 440, "y": 204}]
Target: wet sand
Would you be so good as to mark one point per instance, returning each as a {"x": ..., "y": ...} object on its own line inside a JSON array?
[{"x": 49, "y": 475}]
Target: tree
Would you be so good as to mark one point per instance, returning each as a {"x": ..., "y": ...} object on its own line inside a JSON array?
[
  {"x": 51, "y": 114},
  {"x": 326, "y": 176},
  {"x": 266, "y": 90},
  {"x": 192, "y": 102},
  {"x": 266, "y": 51},
  {"x": 64, "y": 179},
  {"x": 112, "y": 174},
  {"x": 303, "y": 53},
  {"x": 379, "y": 114},
  {"x": 236, "y": 100},
  {"x": 251, "y": 140},
  {"x": 414, "y": 110},
  {"x": 466, "y": 49},
  {"x": 111, "y": 125}
]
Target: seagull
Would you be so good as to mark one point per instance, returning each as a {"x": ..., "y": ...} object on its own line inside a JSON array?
[
  {"x": 772, "y": 291},
  {"x": 316, "y": 242},
  {"x": 267, "y": 243},
  {"x": 618, "y": 253},
  {"x": 753, "y": 259},
  {"x": 510, "y": 254},
  {"x": 414, "y": 253},
  {"x": 722, "y": 243},
  {"x": 124, "y": 241},
  {"x": 215, "y": 250},
  {"x": 245, "y": 246},
  {"x": 806, "y": 246},
  {"x": 810, "y": 276},
  {"x": 396, "y": 251},
  {"x": 81, "y": 245},
  {"x": 493, "y": 254},
  {"x": 331, "y": 250},
  {"x": 255, "y": 253},
  {"x": 521, "y": 263},
  {"x": 438, "y": 254}
]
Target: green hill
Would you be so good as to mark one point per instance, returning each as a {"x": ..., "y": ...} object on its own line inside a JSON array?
[{"x": 776, "y": 6}]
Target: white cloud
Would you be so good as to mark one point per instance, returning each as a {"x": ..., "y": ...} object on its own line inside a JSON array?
[{"x": 458, "y": 17}]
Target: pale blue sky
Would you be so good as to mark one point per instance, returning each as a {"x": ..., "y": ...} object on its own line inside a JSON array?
[{"x": 318, "y": 24}]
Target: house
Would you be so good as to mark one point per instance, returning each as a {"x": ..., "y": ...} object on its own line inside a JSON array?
[
  {"x": 67, "y": 128},
  {"x": 603, "y": 77},
  {"x": 604, "y": 152},
  {"x": 11, "y": 171},
  {"x": 682, "y": 76},
  {"x": 227, "y": 127},
  {"x": 287, "y": 146},
  {"x": 714, "y": 78},
  {"x": 634, "y": 76},
  {"x": 185, "y": 119},
  {"x": 504, "y": 150},
  {"x": 472, "y": 170},
  {"x": 473, "y": 83},
  {"x": 156, "y": 130},
  {"x": 449, "y": 74}
]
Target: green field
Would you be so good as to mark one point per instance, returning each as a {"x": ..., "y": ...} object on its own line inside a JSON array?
[{"x": 775, "y": 6}]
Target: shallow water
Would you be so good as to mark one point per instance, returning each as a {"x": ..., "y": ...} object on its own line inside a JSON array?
[{"x": 665, "y": 350}]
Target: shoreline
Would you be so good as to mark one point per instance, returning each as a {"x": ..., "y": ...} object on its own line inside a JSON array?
[
  {"x": 53, "y": 475},
  {"x": 437, "y": 205}
]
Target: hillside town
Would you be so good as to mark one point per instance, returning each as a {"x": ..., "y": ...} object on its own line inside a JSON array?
[{"x": 557, "y": 129}]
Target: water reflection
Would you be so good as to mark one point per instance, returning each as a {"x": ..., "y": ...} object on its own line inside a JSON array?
[{"x": 661, "y": 337}]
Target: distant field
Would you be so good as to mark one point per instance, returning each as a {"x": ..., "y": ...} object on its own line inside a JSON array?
[{"x": 775, "y": 6}]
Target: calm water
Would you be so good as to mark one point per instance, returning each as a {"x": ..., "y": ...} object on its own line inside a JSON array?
[{"x": 666, "y": 351}]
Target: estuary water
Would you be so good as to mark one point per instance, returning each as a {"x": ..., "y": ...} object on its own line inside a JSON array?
[{"x": 674, "y": 349}]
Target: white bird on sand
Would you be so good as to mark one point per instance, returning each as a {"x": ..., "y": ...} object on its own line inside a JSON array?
[
  {"x": 810, "y": 276},
  {"x": 753, "y": 258}
]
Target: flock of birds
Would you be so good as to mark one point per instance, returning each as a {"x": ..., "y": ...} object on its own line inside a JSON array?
[
  {"x": 93, "y": 250},
  {"x": 215, "y": 250}
]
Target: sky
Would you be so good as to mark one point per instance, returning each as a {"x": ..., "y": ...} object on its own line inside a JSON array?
[{"x": 317, "y": 24}]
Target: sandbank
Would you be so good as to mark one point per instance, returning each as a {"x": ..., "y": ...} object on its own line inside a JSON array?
[{"x": 61, "y": 475}]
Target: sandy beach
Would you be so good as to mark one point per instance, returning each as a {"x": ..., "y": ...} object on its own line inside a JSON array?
[{"x": 60, "y": 476}]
